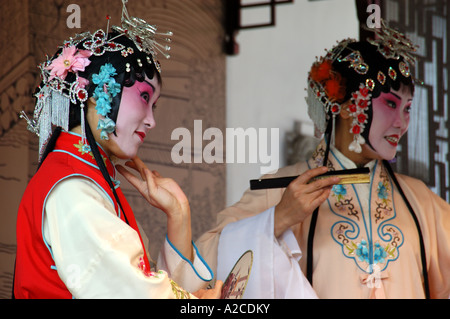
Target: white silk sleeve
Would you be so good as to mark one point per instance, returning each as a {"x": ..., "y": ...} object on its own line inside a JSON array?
[
  {"x": 275, "y": 272},
  {"x": 192, "y": 276},
  {"x": 96, "y": 254}
]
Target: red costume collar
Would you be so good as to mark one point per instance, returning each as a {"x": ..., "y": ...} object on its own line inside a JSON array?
[{"x": 71, "y": 143}]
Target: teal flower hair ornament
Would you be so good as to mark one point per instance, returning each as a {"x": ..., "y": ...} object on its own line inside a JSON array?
[
  {"x": 107, "y": 126},
  {"x": 107, "y": 88}
]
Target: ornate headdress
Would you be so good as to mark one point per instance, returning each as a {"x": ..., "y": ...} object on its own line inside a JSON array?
[
  {"x": 62, "y": 76},
  {"x": 327, "y": 88}
]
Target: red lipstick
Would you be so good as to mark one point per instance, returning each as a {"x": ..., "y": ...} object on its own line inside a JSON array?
[
  {"x": 141, "y": 135},
  {"x": 393, "y": 139}
]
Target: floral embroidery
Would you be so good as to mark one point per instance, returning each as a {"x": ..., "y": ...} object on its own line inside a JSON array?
[
  {"x": 351, "y": 248},
  {"x": 383, "y": 191},
  {"x": 367, "y": 251},
  {"x": 390, "y": 251},
  {"x": 148, "y": 272},
  {"x": 363, "y": 251},
  {"x": 364, "y": 229},
  {"x": 179, "y": 292},
  {"x": 339, "y": 191},
  {"x": 379, "y": 254},
  {"x": 86, "y": 149},
  {"x": 365, "y": 255},
  {"x": 83, "y": 148},
  {"x": 343, "y": 202},
  {"x": 384, "y": 208}
]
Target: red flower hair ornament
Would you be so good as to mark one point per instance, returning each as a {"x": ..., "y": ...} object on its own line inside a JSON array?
[
  {"x": 327, "y": 91},
  {"x": 361, "y": 101}
]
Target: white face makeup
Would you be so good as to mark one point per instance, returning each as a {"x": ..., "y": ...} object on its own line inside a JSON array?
[
  {"x": 135, "y": 117},
  {"x": 390, "y": 121}
]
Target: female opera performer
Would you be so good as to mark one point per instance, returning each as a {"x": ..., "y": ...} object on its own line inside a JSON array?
[
  {"x": 388, "y": 237},
  {"x": 76, "y": 234}
]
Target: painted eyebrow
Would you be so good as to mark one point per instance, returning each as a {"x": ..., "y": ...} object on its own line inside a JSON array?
[
  {"x": 395, "y": 95},
  {"x": 398, "y": 97},
  {"x": 151, "y": 85}
]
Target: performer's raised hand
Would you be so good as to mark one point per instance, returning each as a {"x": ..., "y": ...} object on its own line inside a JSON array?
[
  {"x": 163, "y": 193},
  {"x": 301, "y": 198}
]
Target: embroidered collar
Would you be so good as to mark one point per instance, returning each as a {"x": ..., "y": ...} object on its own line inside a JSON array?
[
  {"x": 345, "y": 162},
  {"x": 364, "y": 225},
  {"x": 71, "y": 143}
]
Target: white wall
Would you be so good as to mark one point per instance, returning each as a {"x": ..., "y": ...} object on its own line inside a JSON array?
[{"x": 266, "y": 80}]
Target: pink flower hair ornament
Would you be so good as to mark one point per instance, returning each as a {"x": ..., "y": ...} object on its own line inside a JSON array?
[
  {"x": 55, "y": 94},
  {"x": 71, "y": 59}
]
